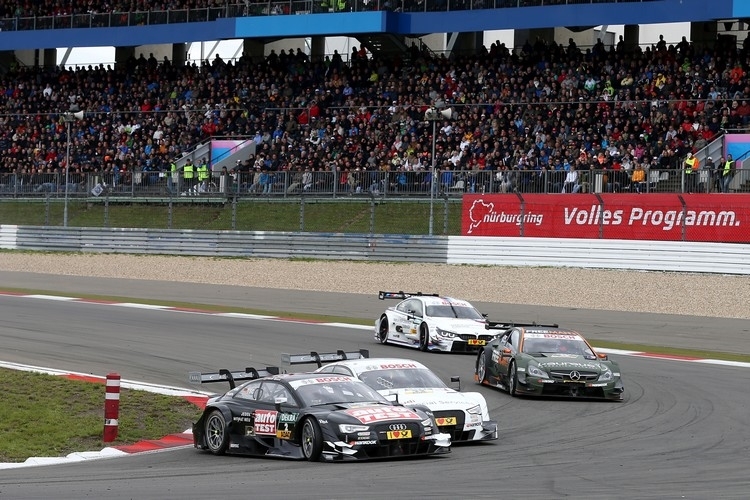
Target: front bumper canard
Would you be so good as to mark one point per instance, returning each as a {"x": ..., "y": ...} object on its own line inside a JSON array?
[
  {"x": 488, "y": 431},
  {"x": 441, "y": 440}
]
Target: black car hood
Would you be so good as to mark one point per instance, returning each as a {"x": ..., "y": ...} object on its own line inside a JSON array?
[
  {"x": 370, "y": 414},
  {"x": 569, "y": 362}
]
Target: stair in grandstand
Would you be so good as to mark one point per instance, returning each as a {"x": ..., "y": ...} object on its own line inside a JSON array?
[
  {"x": 388, "y": 45},
  {"x": 228, "y": 159}
]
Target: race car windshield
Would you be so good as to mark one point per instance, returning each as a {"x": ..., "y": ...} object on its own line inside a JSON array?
[
  {"x": 557, "y": 346},
  {"x": 449, "y": 311},
  {"x": 401, "y": 379},
  {"x": 338, "y": 392}
]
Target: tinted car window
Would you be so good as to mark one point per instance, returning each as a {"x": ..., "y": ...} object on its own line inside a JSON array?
[
  {"x": 446, "y": 311},
  {"x": 313, "y": 394},
  {"x": 274, "y": 391},
  {"x": 250, "y": 391},
  {"x": 342, "y": 370}
]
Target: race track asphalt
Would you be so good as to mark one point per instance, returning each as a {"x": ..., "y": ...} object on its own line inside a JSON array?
[
  {"x": 683, "y": 430},
  {"x": 691, "y": 332}
]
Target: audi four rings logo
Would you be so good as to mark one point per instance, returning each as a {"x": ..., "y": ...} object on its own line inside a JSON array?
[
  {"x": 574, "y": 375},
  {"x": 397, "y": 427}
]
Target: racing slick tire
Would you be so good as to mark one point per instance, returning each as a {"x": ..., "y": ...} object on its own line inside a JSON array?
[
  {"x": 217, "y": 437},
  {"x": 311, "y": 439},
  {"x": 424, "y": 337},
  {"x": 512, "y": 379},
  {"x": 383, "y": 330},
  {"x": 481, "y": 367}
]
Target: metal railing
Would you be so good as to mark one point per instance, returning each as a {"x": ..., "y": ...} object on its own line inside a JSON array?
[
  {"x": 365, "y": 183},
  {"x": 588, "y": 253},
  {"x": 268, "y": 8}
]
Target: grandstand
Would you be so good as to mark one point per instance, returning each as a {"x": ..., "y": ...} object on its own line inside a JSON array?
[{"x": 522, "y": 118}]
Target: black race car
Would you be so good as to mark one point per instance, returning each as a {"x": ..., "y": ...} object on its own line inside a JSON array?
[{"x": 310, "y": 416}]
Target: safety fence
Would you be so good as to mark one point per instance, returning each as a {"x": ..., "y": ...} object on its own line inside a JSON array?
[
  {"x": 266, "y": 8},
  {"x": 320, "y": 182},
  {"x": 717, "y": 218},
  {"x": 574, "y": 253}
]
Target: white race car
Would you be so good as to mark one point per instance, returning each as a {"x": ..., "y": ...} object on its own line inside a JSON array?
[
  {"x": 463, "y": 415},
  {"x": 430, "y": 322}
]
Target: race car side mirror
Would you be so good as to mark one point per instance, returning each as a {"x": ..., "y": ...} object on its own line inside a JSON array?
[
  {"x": 456, "y": 380},
  {"x": 278, "y": 402}
]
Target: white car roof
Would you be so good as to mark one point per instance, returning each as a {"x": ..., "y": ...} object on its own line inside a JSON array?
[
  {"x": 372, "y": 364},
  {"x": 429, "y": 300}
]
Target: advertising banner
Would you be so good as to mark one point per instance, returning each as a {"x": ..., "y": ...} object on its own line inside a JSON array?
[{"x": 675, "y": 217}]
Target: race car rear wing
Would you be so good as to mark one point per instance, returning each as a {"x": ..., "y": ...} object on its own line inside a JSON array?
[
  {"x": 404, "y": 295},
  {"x": 506, "y": 325},
  {"x": 232, "y": 377},
  {"x": 323, "y": 357}
]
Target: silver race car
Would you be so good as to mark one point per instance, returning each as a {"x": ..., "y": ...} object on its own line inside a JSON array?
[
  {"x": 430, "y": 322},
  {"x": 462, "y": 415}
]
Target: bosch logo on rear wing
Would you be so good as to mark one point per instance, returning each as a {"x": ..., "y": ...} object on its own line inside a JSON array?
[
  {"x": 507, "y": 325},
  {"x": 232, "y": 377},
  {"x": 404, "y": 295},
  {"x": 323, "y": 357}
]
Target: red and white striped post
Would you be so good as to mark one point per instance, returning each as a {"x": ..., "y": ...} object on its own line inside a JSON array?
[{"x": 111, "y": 407}]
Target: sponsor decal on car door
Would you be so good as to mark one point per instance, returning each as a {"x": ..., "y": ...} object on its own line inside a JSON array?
[
  {"x": 285, "y": 425},
  {"x": 265, "y": 423}
]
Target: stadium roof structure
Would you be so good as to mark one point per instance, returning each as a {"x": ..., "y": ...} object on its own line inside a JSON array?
[{"x": 571, "y": 13}]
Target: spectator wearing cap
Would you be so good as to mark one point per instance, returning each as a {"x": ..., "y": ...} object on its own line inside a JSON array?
[
  {"x": 706, "y": 175},
  {"x": 691, "y": 166}
]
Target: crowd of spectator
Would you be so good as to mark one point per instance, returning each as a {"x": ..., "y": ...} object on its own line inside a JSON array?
[
  {"x": 44, "y": 8},
  {"x": 542, "y": 108},
  {"x": 74, "y": 7}
]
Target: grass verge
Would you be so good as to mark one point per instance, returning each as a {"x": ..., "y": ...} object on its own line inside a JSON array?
[
  {"x": 49, "y": 416},
  {"x": 347, "y": 215},
  {"x": 672, "y": 351}
]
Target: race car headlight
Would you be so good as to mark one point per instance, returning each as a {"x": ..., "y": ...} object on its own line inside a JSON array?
[
  {"x": 475, "y": 410},
  {"x": 444, "y": 333},
  {"x": 349, "y": 429},
  {"x": 427, "y": 422},
  {"x": 606, "y": 376},
  {"x": 535, "y": 371}
]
